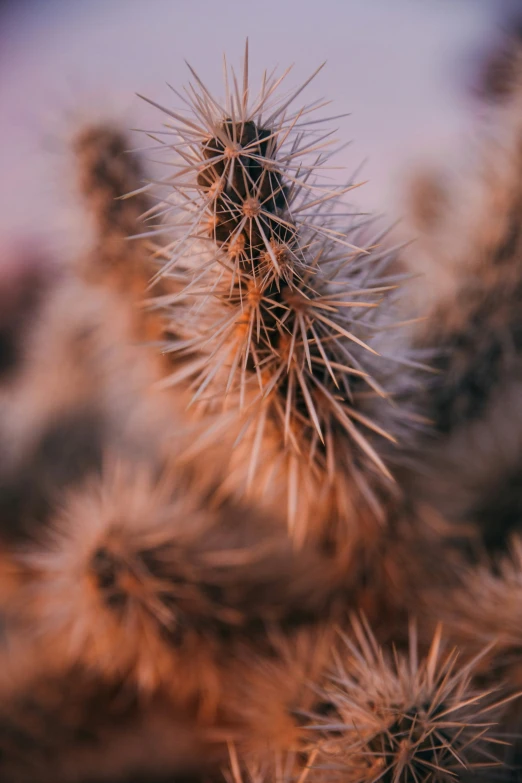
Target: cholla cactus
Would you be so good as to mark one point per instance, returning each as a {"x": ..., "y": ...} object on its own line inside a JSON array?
[
  {"x": 275, "y": 314},
  {"x": 395, "y": 717},
  {"x": 165, "y": 409},
  {"x": 486, "y": 605},
  {"x": 470, "y": 246}
]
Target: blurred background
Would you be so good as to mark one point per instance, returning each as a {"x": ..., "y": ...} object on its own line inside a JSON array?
[{"x": 404, "y": 69}]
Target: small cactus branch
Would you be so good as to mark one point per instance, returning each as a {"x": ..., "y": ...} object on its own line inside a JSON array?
[{"x": 277, "y": 300}]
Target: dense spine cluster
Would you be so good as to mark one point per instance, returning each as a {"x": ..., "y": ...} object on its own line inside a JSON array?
[
  {"x": 395, "y": 716},
  {"x": 275, "y": 309}
]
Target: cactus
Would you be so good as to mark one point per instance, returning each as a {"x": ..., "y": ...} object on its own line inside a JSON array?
[
  {"x": 274, "y": 311},
  {"x": 197, "y": 488},
  {"x": 395, "y": 717}
]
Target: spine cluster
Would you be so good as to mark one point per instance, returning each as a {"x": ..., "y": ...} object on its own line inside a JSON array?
[{"x": 274, "y": 311}]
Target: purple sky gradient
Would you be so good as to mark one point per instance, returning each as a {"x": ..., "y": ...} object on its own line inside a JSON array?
[{"x": 399, "y": 67}]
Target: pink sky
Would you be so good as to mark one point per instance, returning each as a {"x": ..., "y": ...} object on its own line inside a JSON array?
[{"x": 399, "y": 67}]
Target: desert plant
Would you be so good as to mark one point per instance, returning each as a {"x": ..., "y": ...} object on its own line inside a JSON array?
[{"x": 215, "y": 449}]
